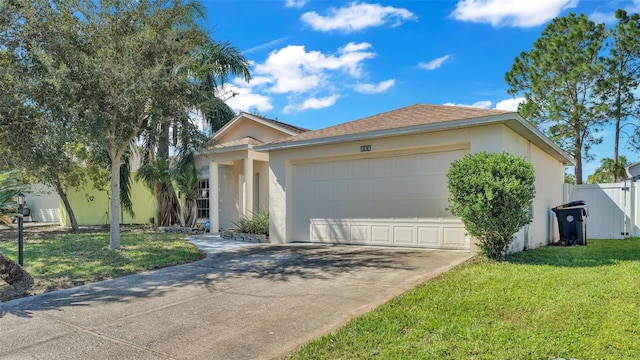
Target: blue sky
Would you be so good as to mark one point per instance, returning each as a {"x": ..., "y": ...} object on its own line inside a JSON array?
[{"x": 319, "y": 63}]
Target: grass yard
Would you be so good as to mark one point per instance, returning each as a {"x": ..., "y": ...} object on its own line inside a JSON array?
[
  {"x": 549, "y": 303},
  {"x": 62, "y": 260}
]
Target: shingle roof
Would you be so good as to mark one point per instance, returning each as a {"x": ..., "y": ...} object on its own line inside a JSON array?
[
  {"x": 418, "y": 114},
  {"x": 290, "y": 127}
]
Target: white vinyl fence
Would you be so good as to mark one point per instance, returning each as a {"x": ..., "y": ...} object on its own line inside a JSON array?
[{"x": 613, "y": 209}]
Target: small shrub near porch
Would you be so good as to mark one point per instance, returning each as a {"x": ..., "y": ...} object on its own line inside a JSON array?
[
  {"x": 258, "y": 224},
  {"x": 254, "y": 229}
]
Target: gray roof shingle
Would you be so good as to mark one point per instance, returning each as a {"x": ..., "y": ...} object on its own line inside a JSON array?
[{"x": 414, "y": 115}]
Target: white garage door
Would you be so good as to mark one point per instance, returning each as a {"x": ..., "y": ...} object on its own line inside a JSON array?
[{"x": 394, "y": 200}]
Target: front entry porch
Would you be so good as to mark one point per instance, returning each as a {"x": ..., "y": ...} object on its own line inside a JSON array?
[{"x": 237, "y": 185}]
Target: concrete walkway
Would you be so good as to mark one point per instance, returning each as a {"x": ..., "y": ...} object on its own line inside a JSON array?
[{"x": 244, "y": 301}]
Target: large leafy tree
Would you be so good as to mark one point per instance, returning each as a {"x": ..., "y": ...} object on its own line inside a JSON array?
[
  {"x": 558, "y": 78},
  {"x": 618, "y": 89},
  {"x": 120, "y": 62},
  {"x": 36, "y": 111}
]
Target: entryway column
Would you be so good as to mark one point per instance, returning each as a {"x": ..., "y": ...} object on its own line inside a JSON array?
[
  {"x": 247, "y": 188},
  {"x": 214, "y": 195}
]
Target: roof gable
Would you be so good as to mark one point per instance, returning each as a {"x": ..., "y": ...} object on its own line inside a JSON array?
[{"x": 263, "y": 130}]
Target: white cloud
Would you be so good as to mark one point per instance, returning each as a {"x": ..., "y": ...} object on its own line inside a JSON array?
[
  {"x": 435, "y": 63},
  {"x": 313, "y": 103},
  {"x": 295, "y": 3},
  {"x": 244, "y": 99},
  {"x": 375, "y": 88},
  {"x": 293, "y": 69},
  {"x": 510, "y": 104},
  {"x": 357, "y": 16},
  {"x": 309, "y": 79},
  {"x": 514, "y": 13},
  {"x": 255, "y": 81},
  {"x": 477, "y": 104},
  {"x": 507, "y": 105}
]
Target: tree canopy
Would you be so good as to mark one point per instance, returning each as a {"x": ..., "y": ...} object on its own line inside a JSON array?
[
  {"x": 558, "y": 78},
  {"x": 618, "y": 87},
  {"x": 113, "y": 68}
]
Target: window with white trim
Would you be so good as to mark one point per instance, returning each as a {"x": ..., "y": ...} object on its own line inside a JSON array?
[{"x": 203, "y": 199}]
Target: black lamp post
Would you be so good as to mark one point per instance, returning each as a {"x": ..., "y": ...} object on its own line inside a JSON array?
[{"x": 20, "y": 201}]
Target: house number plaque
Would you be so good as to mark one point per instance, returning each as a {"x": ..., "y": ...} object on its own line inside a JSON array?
[{"x": 364, "y": 148}]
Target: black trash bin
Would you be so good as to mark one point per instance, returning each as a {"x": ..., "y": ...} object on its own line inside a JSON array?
[{"x": 572, "y": 222}]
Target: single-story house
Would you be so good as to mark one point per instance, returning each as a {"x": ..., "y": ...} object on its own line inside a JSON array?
[{"x": 379, "y": 180}]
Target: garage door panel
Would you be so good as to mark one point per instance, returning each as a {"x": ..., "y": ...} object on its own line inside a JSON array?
[
  {"x": 358, "y": 233},
  {"x": 381, "y": 234},
  {"x": 304, "y": 172},
  {"x": 320, "y": 171},
  {"x": 361, "y": 189},
  {"x": 431, "y": 186},
  {"x": 319, "y": 232},
  {"x": 303, "y": 191},
  {"x": 406, "y": 165},
  {"x": 382, "y": 167},
  {"x": 321, "y": 190},
  {"x": 360, "y": 169},
  {"x": 455, "y": 238},
  {"x": 341, "y": 170},
  {"x": 405, "y": 187},
  {"x": 382, "y": 188},
  {"x": 403, "y": 235},
  {"x": 339, "y": 189},
  {"x": 398, "y": 200},
  {"x": 429, "y": 236}
]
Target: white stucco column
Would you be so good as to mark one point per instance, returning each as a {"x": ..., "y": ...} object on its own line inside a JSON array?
[
  {"x": 214, "y": 195},
  {"x": 247, "y": 188}
]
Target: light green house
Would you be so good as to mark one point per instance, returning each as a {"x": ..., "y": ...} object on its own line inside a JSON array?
[{"x": 90, "y": 206}]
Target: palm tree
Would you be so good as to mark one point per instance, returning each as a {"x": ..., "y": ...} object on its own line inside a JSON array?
[
  {"x": 12, "y": 273},
  {"x": 609, "y": 171},
  {"x": 170, "y": 128},
  {"x": 214, "y": 63},
  {"x": 186, "y": 181},
  {"x": 157, "y": 176}
]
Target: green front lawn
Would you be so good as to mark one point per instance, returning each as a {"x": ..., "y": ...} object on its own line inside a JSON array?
[
  {"x": 549, "y": 303},
  {"x": 58, "y": 261}
]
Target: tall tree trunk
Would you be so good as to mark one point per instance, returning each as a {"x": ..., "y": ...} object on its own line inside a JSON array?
[
  {"x": 616, "y": 157},
  {"x": 114, "y": 241},
  {"x": 167, "y": 206},
  {"x": 578, "y": 157},
  {"x": 67, "y": 207},
  {"x": 616, "y": 139},
  {"x": 15, "y": 275},
  {"x": 163, "y": 142}
]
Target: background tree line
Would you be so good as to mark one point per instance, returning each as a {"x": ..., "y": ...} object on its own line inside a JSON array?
[{"x": 578, "y": 77}]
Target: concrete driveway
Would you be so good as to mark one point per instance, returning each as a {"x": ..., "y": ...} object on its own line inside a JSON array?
[{"x": 241, "y": 302}]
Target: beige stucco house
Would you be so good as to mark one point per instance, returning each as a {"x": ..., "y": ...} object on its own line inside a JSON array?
[{"x": 380, "y": 180}]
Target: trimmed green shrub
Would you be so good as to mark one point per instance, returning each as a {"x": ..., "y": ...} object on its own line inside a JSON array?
[{"x": 492, "y": 194}]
